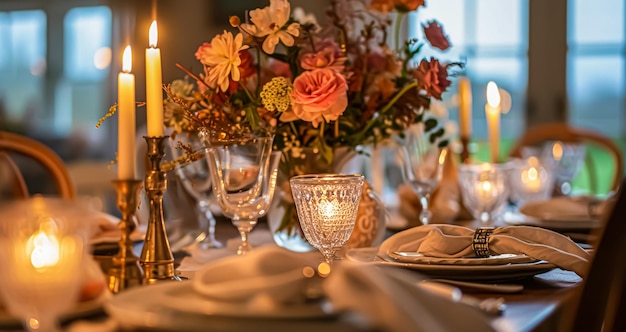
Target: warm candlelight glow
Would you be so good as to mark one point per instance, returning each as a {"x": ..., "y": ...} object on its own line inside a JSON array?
[
  {"x": 493, "y": 94},
  {"x": 153, "y": 35},
  {"x": 465, "y": 107},
  {"x": 127, "y": 60},
  {"x": 557, "y": 151},
  {"x": 126, "y": 160},
  {"x": 44, "y": 249},
  {"x": 154, "y": 85},
  {"x": 531, "y": 180},
  {"x": 328, "y": 209},
  {"x": 492, "y": 112}
]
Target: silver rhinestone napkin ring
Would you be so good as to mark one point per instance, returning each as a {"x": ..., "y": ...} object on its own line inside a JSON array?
[{"x": 480, "y": 242}]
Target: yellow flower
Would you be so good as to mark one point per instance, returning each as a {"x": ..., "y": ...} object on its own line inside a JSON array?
[
  {"x": 222, "y": 59},
  {"x": 275, "y": 94}
]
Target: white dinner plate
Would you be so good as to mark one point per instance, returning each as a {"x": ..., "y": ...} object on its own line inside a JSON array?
[
  {"x": 553, "y": 223},
  {"x": 417, "y": 258},
  {"x": 162, "y": 305},
  {"x": 491, "y": 272},
  {"x": 560, "y": 209}
]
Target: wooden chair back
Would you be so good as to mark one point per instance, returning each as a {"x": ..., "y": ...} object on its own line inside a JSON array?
[
  {"x": 13, "y": 143},
  {"x": 559, "y": 131},
  {"x": 602, "y": 304}
]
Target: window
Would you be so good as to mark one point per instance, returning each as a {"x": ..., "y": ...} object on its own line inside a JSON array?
[
  {"x": 596, "y": 72},
  {"x": 51, "y": 89},
  {"x": 490, "y": 36},
  {"x": 22, "y": 65}
]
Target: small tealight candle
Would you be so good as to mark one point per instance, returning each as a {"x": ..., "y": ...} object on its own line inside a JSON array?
[
  {"x": 530, "y": 176},
  {"x": 484, "y": 189}
]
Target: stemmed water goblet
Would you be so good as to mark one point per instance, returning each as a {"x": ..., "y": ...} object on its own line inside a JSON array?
[
  {"x": 244, "y": 173},
  {"x": 196, "y": 179},
  {"x": 422, "y": 168},
  {"x": 43, "y": 249},
  {"x": 327, "y": 205}
]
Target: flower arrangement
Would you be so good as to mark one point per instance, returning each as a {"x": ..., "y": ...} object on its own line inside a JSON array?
[{"x": 316, "y": 87}]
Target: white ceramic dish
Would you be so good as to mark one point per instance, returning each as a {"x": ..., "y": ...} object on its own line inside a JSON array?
[{"x": 490, "y": 272}]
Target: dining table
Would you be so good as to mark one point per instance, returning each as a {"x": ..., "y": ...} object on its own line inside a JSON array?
[{"x": 536, "y": 303}]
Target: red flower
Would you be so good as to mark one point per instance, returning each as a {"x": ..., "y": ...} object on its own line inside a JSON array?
[
  {"x": 435, "y": 35},
  {"x": 246, "y": 68},
  {"x": 406, "y": 6},
  {"x": 432, "y": 77}
]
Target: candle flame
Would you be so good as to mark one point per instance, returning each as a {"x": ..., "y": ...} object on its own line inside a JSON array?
[
  {"x": 328, "y": 209},
  {"x": 127, "y": 60},
  {"x": 45, "y": 249},
  {"x": 493, "y": 94},
  {"x": 442, "y": 156},
  {"x": 153, "y": 35},
  {"x": 557, "y": 151}
]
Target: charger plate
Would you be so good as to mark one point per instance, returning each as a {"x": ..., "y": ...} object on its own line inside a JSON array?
[{"x": 473, "y": 272}]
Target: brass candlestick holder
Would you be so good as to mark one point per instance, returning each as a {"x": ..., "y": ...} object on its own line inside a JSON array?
[
  {"x": 465, "y": 153},
  {"x": 126, "y": 271},
  {"x": 156, "y": 256}
]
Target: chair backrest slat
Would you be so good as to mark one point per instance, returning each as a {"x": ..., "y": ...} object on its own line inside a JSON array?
[{"x": 13, "y": 143}]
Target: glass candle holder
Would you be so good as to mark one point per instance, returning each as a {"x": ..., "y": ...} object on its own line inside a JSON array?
[
  {"x": 42, "y": 247},
  {"x": 327, "y": 205},
  {"x": 485, "y": 189},
  {"x": 530, "y": 181}
]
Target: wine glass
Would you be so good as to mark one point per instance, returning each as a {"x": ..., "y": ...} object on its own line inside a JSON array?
[
  {"x": 196, "y": 179},
  {"x": 564, "y": 160},
  {"x": 42, "y": 248},
  {"x": 327, "y": 205},
  {"x": 244, "y": 173},
  {"x": 422, "y": 168}
]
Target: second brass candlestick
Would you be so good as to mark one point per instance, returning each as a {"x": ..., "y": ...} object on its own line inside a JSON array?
[
  {"x": 156, "y": 257},
  {"x": 126, "y": 271},
  {"x": 465, "y": 153}
]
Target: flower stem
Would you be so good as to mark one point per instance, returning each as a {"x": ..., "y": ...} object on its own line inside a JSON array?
[
  {"x": 384, "y": 110},
  {"x": 243, "y": 86},
  {"x": 396, "y": 35}
]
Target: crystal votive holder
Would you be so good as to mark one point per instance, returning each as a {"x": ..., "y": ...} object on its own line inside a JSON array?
[
  {"x": 327, "y": 206},
  {"x": 43, "y": 248},
  {"x": 530, "y": 181},
  {"x": 484, "y": 189}
]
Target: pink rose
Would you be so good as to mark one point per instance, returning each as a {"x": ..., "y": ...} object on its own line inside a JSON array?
[
  {"x": 319, "y": 95},
  {"x": 203, "y": 52},
  {"x": 329, "y": 56}
]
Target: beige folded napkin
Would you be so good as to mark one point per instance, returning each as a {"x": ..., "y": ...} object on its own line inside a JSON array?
[
  {"x": 103, "y": 228},
  {"x": 581, "y": 208},
  {"x": 271, "y": 278},
  {"x": 456, "y": 241}
]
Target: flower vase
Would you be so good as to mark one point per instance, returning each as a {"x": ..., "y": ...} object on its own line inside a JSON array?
[{"x": 283, "y": 219}]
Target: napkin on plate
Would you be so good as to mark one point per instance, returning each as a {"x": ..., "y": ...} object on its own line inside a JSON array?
[
  {"x": 456, "y": 241},
  {"x": 581, "y": 208},
  {"x": 103, "y": 228},
  {"x": 389, "y": 299}
]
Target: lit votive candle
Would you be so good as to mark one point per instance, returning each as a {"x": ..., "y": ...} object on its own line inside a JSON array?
[{"x": 530, "y": 176}]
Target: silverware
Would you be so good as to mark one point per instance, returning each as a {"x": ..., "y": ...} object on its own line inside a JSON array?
[{"x": 492, "y": 305}]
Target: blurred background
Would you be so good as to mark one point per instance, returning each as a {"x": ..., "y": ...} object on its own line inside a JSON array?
[{"x": 561, "y": 60}]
